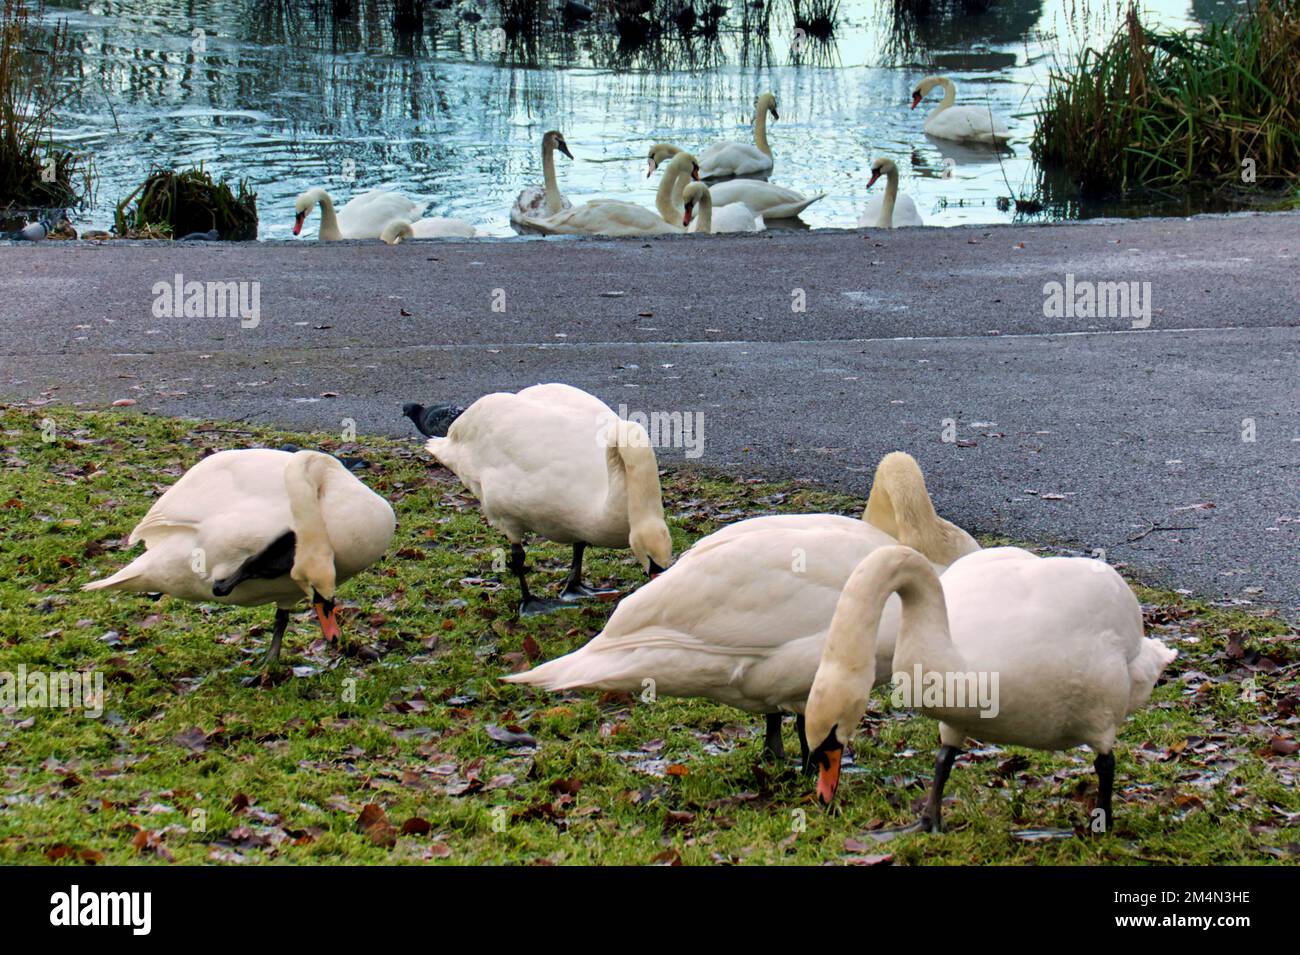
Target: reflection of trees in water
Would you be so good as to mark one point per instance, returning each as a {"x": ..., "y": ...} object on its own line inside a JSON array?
[{"x": 916, "y": 27}]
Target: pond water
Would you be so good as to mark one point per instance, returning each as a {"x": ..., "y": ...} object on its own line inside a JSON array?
[{"x": 291, "y": 95}]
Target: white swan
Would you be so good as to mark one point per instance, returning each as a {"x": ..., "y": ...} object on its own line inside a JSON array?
[
  {"x": 256, "y": 527},
  {"x": 764, "y": 199},
  {"x": 554, "y": 461},
  {"x": 539, "y": 202},
  {"x": 433, "y": 227},
  {"x": 741, "y": 617},
  {"x": 364, "y": 217},
  {"x": 963, "y": 124},
  {"x": 729, "y": 160},
  {"x": 891, "y": 210},
  {"x": 1061, "y": 635},
  {"x": 736, "y": 217},
  {"x": 616, "y": 217}
]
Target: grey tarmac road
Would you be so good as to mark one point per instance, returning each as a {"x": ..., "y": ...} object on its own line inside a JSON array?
[{"x": 1075, "y": 431}]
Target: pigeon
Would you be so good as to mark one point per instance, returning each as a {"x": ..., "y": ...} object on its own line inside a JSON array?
[
  {"x": 32, "y": 232},
  {"x": 434, "y": 420},
  {"x": 209, "y": 236}
]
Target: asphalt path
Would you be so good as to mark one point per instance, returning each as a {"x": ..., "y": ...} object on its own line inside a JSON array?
[{"x": 1168, "y": 437}]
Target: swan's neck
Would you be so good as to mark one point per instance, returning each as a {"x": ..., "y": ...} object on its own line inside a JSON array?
[
  {"x": 886, "y": 220},
  {"x": 552, "y": 187},
  {"x": 704, "y": 206},
  {"x": 313, "y": 562},
  {"x": 329, "y": 223},
  {"x": 668, "y": 197},
  {"x": 949, "y": 96},
  {"x": 634, "y": 478},
  {"x": 760, "y": 130}
]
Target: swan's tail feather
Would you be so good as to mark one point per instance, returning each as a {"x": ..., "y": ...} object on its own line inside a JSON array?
[
  {"x": 432, "y": 421},
  {"x": 563, "y": 673},
  {"x": 1145, "y": 668},
  {"x": 122, "y": 580},
  {"x": 798, "y": 209}
]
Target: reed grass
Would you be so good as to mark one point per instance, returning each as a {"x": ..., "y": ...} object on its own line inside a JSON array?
[
  {"x": 1175, "y": 110},
  {"x": 171, "y": 204},
  {"x": 34, "y": 173}
]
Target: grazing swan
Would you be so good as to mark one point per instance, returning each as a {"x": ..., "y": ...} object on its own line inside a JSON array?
[
  {"x": 891, "y": 210},
  {"x": 539, "y": 202},
  {"x": 1061, "y": 635},
  {"x": 433, "y": 227},
  {"x": 962, "y": 124},
  {"x": 364, "y": 217},
  {"x": 616, "y": 217},
  {"x": 554, "y": 461},
  {"x": 742, "y": 615},
  {"x": 764, "y": 199},
  {"x": 256, "y": 527},
  {"x": 736, "y": 217},
  {"x": 741, "y": 160}
]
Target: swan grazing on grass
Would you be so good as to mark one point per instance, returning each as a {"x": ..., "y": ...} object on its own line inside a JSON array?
[
  {"x": 1062, "y": 636},
  {"x": 256, "y": 527},
  {"x": 736, "y": 217},
  {"x": 364, "y": 217},
  {"x": 891, "y": 210},
  {"x": 730, "y": 160},
  {"x": 742, "y": 615},
  {"x": 963, "y": 124},
  {"x": 764, "y": 199},
  {"x": 616, "y": 217},
  {"x": 434, "y": 227},
  {"x": 554, "y": 461},
  {"x": 540, "y": 202}
]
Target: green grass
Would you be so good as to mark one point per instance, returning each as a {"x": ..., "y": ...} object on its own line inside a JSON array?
[{"x": 283, "y": 771}]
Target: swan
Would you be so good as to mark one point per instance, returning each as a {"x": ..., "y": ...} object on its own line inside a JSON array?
[
  {"x": 433, "y": 227},
  {"x": 364, "y": 217},
  {"x": 538, "y": 202},
  {"x": 1062, "y": 635},
  {"x": 730, "y": 160},
  {"x": 255, "y": 527},
  {"x": 741, "y": 617},
  {"x": 736, "y": 217},
  {"x": 891, "y": 210},
  {"x": 616, "y": 217},
  {"x": 963, "y": 124},
  {"x": 764, "y": 199},
  {"x": 554, "y": 461}
]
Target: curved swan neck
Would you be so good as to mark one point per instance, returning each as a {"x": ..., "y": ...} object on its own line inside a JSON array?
[
  {"x": 760, "y": 129},
  {"x": 704, "y": 206},
  {"x": 949, "y": 95},
  {"x": 900, "y": 505},
  {"x": 551, "y": 186},
  {"x": 329, "y": 223},
  {"x": 923, "y": 635},
  {"x": 313, "y": 564},
  {"x": 886, "y": 220},
  {"x": 669, "y": 189},
  {"x": 634, "y": 473}
]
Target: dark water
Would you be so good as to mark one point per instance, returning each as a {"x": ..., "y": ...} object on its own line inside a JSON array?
[{"x": 285, "y": 94}]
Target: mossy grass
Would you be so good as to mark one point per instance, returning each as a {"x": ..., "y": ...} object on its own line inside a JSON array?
[
  {"x": 188, "y": 763},
  {"x": 173, "y": 204},
  {"x": 1181, "y": 111}
]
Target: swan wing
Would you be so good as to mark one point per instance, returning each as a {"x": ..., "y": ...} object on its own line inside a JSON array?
[
  {"x": 742, "y": 160},
  {"x": 365, "y": 216}
]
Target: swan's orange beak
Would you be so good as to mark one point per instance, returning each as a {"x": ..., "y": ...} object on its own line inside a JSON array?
[
  {"x": 872, "y": 180},
  {"x": 916, "y": 100},
  {"x": 651, "y": 171},
  {"x": 329, "y": 624},
  {"x": 297, "y": 222},
  {"x": 695, "y": 173},
  {"x": 828, "y": 775},
  {"x": 686, "y": 219}
]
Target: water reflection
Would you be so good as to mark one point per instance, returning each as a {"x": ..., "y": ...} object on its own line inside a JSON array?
[{"x": 352, "y": 94}]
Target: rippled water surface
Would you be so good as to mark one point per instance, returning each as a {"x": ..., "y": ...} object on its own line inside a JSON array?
[{"x": 291, "y": 96}]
